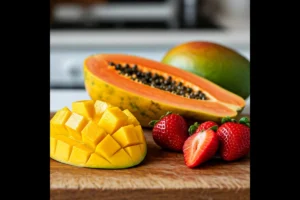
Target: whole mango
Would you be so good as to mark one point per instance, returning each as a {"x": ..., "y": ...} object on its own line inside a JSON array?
[{"x": 217, "y": 63}]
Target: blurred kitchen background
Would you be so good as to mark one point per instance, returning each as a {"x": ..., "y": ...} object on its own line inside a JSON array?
[{"x": 148, "y": 28}]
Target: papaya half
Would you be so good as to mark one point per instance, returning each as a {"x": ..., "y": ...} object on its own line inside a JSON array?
[{"x": 149, "y": 89}]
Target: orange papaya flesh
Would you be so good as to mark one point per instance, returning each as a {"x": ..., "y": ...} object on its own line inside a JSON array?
[{"x": 104, "y": 82}]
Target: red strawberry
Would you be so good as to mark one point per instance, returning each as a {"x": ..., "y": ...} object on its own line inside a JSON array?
[
  {"x": 170, "y": 132},
  {"x": 200, "y": 147},
  {"x": 203, "y": 126},
  {"x": 234, "y": 138}
]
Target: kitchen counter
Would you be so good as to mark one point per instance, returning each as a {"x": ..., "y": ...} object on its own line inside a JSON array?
[{"x": 231, "y": 37}]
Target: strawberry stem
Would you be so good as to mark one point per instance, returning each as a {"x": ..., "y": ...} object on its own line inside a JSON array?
[
  {"x": 245, "y": 120},
  {"x": 169, "y": 112},
  {"x": 233, "y": 120},
  {"x": 225, "y": 119},
  {"x": 193, "y": 128},
  {"x": 214, "y": 128},
  {"x": 153, "y": 122}
]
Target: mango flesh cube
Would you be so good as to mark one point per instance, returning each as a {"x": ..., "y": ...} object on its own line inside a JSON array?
[
  {"x": 96, "y": 135},
  {"x": 84, "y": 108},
  {"x": 131, "y": 118},
  {"x": 52, "y": 145},
  {"x": 139, "y": 133},
  {"x": 112, "y": 119},
  {"x": 96, "y": 161},
  {"x": 80, "y": 154},
  {"x": 57, "y": 123},
  {"x": 121, "y": 158},
  {"x": 92, "y": 134},
  {"x": 64, "y": 147},
  {"x": 135, "y": 153},
  {"x": 100, "y": 107},
  {"x": 126, "y": 136},
  {"x": 143, "y": 148},
  {"x": 107, "y": 147},
  {"x": 75, "y": 124}
]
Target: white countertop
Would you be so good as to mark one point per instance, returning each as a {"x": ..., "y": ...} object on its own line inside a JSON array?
[
  {"x": 62, "y": 98},
  {"x": 90, "y": 38}
]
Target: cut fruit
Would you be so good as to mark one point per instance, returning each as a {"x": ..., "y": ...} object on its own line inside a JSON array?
[
  {"x": 148, "y": 89},
  {"x": 200, "y": 147},
  {"x": 115, "y": 141}
]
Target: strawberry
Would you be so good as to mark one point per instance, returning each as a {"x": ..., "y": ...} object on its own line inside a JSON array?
[
  {"x": 203, "y": 126},
  {"x": 170, "y": 131},
  {"x": 200, "y": 147},
  {"x": 234, "y": 138}
]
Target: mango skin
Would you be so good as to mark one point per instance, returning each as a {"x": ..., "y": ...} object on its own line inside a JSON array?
[{"x": 215, "y": 62}]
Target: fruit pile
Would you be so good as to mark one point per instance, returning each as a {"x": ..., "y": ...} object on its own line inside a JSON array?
[
  {"x": 200, "y": 143},
  {"x": 195, "y": 80}
]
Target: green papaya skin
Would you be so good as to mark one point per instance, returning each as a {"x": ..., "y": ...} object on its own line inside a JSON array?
[{"x": 215, "y": 62}]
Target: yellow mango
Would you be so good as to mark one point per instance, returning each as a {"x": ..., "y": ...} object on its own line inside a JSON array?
[
  {"x": 80, "y": 154},
  {"x": 96, "y": 135},
  {"x": 84, "y": 108},
  {"x": 131, "y": 118},
  {"x": 112, "y": 119},
  {"x": 52, "y": 145},
  {"x": 96, "y": 160},
  {"x": 107, "y": 147},
  {"x": 126, "y": 136},
  {"x": 134, "y": 152},
  {"x": 57, "y": 123},
  {"x": 100, "y": 107},
  {"x": 92, "y": 134},
  {"x": 75, "y": 124}
]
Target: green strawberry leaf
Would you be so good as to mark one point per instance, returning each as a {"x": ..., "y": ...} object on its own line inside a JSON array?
[
  {"x": 233, "y": 120},
  {"x": 245, "y": 121},
  {"x": 193, "y": 128},
  {"x": 153, "y": 122},
  {"x": 214, "y": 128},
  {"x": 225, "y": 119},
  {"x": 168, "y": 113}
]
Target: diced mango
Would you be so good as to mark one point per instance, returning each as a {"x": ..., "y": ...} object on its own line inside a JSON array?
[
  {"x": 140, "y": 134},
  {"x": 112, "y": 119},
  {"x": 80, "y": 154},
  {"x": 64, "y": 147},
  {"x": 52, "y": 145},
  {"x": 98, "y": 162},
  {"x": 96, "y": 135},
  {"x": 121, "y": 159},
  {"x": 92, "y": 134},
  {"x": 75, "y": 124},
  {"x": 84, "y": 108},
  {"x": 107, "y": 147},
  {"x": 143, "y": 148},
  {"x": 57, "y": 123},
  {"x": 100, "y": 107},
  {"x": 135, "y": 153},
  {"x": 126, "y": 136},
  {"x": 131, "y": 118}
]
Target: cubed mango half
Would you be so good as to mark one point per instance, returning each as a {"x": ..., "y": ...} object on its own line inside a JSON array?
[{"x": 95, "y": 134}]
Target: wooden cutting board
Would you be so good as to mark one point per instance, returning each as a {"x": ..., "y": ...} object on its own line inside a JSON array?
[{"x": 162, "y": 175}]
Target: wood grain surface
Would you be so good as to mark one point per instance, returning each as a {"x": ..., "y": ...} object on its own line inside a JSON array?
[{"x": 162, "y": 175}]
